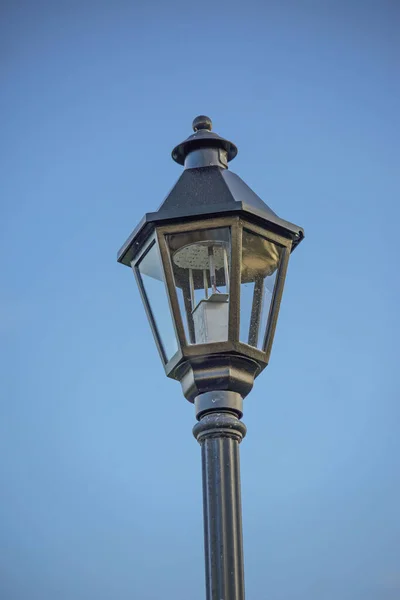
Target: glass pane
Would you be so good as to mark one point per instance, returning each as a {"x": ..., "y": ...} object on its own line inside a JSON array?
[
  {"x": 201, "y": 265},
  {"x": 152, "y": 277},
  {"x": 260, "y": 262}
]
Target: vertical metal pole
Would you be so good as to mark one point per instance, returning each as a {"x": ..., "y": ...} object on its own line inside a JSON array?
[
  {"x": 191, "y": 285},
  {"x": 219, "y": 433},
  {"x": 256, "y": 311},
  {"x": 187, "y": 301},
  {"x": 205, "y": 283},
  {"x": 213, "y": 278},
  {"x": 226, "y": 269}
]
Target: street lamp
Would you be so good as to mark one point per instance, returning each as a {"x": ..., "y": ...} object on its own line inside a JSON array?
[{"x": 210, "y": 265}]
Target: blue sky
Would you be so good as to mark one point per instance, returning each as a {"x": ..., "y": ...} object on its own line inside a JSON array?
[{"x": 100, "y": 476}]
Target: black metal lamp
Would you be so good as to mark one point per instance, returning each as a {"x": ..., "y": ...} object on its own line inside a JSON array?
[{"x": 210, "y": 265}]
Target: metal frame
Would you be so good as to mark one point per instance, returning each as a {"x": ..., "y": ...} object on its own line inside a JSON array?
[
  {"x": 190, "y": 352},
  {"x": 274, "y": 308},
  {"x": 234, "y": 345},
  {"x": 162, "y": 233},
  {"x": 187, "y": 352},
  {"x": 234, "y": 285},
  {"x": 146, "y": 303},
  {"x": 140, "y": 255}
]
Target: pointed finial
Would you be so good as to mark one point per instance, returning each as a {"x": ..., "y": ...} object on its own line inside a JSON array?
[{"x": 202, "y": 122}]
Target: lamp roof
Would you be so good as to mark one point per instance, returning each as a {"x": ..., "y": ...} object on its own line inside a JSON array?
[{"x": 207, "y": 191}]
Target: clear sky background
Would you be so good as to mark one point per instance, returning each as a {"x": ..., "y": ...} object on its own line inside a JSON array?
[{"x": 100, "y": 475}]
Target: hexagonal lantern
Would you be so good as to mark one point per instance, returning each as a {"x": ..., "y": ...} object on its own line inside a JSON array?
[{"x": 211, "y": 265}]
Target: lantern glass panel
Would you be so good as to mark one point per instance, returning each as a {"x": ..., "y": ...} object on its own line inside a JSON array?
[
  {"x": 261, "y": 259},
  {"x": 201, "y": 265},
  {"x": 152, "y": 279}
]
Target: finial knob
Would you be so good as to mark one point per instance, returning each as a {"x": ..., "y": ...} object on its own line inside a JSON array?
[{"x": 202, "y": 122}]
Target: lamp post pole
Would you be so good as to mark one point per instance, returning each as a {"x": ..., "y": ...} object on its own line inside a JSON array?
[
  {"x": 210, "y": 265},
  {"x": 219, "y": 433}
]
